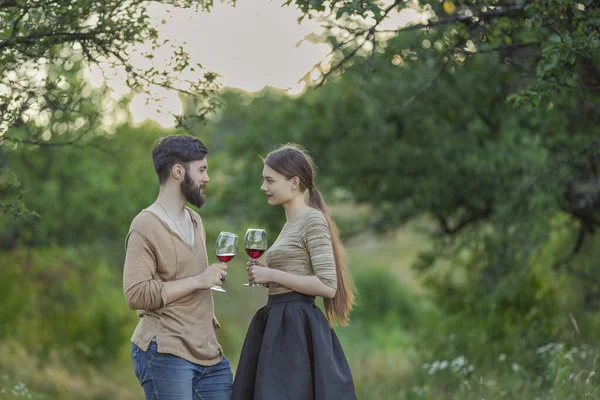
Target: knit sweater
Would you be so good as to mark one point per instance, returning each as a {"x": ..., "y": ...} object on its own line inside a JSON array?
[
  {"x": 304, "y": 247},
  {"x": 186, "y": 327}
]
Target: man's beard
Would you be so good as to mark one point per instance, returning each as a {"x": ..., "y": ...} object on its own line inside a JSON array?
[{"x": 191, "y": 191}]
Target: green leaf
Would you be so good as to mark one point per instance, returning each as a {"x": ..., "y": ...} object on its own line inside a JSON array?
[{"x": 555, "y": 39}]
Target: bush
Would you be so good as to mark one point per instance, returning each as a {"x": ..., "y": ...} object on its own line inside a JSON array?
[
  {"x": 381, "y": 298},
  {"x": 63, "y": 300}
]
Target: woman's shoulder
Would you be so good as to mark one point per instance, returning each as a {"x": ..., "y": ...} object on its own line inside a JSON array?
[
  {"x": 311, "y": 214},
  {"x": 313, "y": 218}
]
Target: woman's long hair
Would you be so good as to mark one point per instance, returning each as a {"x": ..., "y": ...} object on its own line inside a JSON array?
[{"x": 291, "y": 160}]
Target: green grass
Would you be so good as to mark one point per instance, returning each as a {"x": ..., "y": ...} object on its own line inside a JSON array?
[
  {"x": 392, "y": 356},
  {"x": 395, "y": 251},
  {"x": 25, "y": 376},
  {"x": 64, "y": 379}
]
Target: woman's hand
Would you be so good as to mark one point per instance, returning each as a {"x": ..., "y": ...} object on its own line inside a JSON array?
[{"x": 258, "y": 273}]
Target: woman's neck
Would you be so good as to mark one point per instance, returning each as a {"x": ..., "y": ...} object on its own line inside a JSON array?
[{"x": 295, "y": 207}]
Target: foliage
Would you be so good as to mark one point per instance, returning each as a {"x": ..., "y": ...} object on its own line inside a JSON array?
[
  {"x": 40, "y": 37},
  {"x": 483, "y": 120},
  {"x": 554, "y": 43},
  {"x": 382, "y": 299},
  {"x": 45, "y": 101},
  {"x": 499, "y": 182},
  {"x": 58, "y": 300},
  {"x": 79, "y": 193}
]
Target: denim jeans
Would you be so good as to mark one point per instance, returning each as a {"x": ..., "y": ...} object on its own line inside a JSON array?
[{"x": 168, "y": 377}]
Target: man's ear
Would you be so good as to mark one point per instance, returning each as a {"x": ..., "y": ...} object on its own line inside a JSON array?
[{"x": 177, "y": 171}]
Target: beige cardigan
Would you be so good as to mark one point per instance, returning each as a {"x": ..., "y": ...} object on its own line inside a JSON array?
[{"x": 155, "y": 254}]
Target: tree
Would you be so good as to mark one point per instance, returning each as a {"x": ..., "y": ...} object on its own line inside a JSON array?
[
  {"x": 512, "y": 191},
  {"x": 554, "y": 43},
  {"x": 551, "y": 53},
  {"x": 41, "y": 41}
]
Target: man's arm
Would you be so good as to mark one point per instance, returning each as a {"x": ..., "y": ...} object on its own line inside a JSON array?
[
  {"x": 144, "y": 291},
  {"x": 207, "y": 279}
]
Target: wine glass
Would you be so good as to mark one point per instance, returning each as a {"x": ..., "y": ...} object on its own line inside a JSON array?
[
  {"x": 255, "y": 243},
  {"x": 225, "y": 249}
]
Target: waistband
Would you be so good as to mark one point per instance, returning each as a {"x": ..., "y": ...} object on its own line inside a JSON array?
[{"x": 291, "y": 296}]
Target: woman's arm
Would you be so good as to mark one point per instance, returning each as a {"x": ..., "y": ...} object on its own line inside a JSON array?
[{"x": 310, "y": 285}]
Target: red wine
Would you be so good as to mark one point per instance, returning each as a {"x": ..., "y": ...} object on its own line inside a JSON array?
[
  {"x": 225, "y": 257},
  {"x": 254, "y": 253}
]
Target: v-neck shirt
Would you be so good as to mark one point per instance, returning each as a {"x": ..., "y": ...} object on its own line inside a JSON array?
[
  {"x": 173, "y": 225},
  {"x": 155, "y": 254}
]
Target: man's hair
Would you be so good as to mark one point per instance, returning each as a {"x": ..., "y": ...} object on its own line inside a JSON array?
[{"x": 171, "y": 150}]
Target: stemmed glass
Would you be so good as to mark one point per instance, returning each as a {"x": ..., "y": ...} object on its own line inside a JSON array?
[
  {"x": 255, "y": 243},
  {"x": 225, "y": 249}
]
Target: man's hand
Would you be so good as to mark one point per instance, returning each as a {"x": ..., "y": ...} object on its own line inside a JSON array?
[{"x": 214, "y": 275}]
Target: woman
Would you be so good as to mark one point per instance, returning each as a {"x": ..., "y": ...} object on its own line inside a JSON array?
[{"x": 290, "y": 351}]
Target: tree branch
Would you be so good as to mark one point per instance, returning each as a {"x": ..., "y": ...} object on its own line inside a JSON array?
[
  {"x": 485, "y": 16},
  {"x": 463, "y": 222},
  {"x": 564, "y": 260},
  {"x": 59, "y": 37},
  {"x": 16, "y": 22},
  {"x": 435, "y": 78},
  {"x": 584, "y": 276},
  {"x": 499, "y": 48},
  {"x": 73, "y": 142},
  {"x": 7, "y": 3},
  {"x": 370, "y": 34},
  {"x": 425, "y": 87}
]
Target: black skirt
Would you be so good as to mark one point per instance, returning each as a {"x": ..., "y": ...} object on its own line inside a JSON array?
[{"x": 291, "y": 353}]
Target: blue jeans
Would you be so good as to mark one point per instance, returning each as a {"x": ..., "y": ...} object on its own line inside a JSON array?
[{"x": 168, "y": 377}]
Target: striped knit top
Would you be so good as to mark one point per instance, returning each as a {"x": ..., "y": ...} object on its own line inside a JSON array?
[{"x": 304, "y": 248}]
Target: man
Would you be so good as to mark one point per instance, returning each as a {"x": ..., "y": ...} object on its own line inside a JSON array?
[{"x": 167, "y": 278}]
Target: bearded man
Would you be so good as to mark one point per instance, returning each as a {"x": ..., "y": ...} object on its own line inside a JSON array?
[{"x": 167, "y": 278}]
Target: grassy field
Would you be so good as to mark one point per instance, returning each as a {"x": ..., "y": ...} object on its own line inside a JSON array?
[
  {"x": 392, "y": 356},
  {"x": 22, "y": 375}
]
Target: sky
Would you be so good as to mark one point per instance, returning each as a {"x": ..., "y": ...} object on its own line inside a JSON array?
[{"x": 255, "y": 44}]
